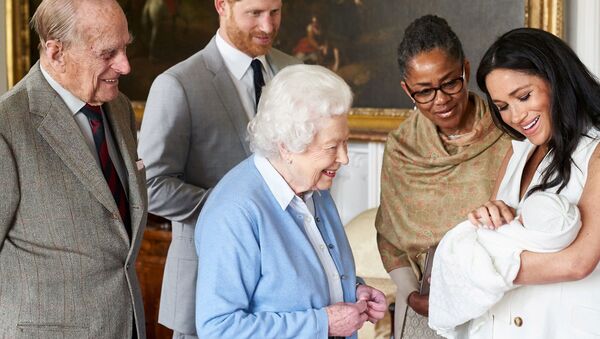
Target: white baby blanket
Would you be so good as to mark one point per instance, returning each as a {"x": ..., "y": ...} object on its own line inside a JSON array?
[{"x": 473, "y": 267}]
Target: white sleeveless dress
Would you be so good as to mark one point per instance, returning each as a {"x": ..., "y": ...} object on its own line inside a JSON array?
[{"x": 569, "y": 310}]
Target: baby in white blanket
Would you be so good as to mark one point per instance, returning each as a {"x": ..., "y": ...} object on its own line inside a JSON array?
[{"x": 473, "y": 267}]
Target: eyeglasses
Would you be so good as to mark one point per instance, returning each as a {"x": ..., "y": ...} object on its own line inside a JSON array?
[{"x": 449, "y": 87}]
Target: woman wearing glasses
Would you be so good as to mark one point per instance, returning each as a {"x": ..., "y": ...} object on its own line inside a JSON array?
[{"x": 438, "y": 165}]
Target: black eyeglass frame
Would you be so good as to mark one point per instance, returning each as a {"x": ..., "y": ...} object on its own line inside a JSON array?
[{"x": 438, "y": 88}]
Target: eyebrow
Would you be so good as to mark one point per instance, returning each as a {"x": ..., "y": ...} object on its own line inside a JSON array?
[
  {"x": 336, "y": 139},
  {"x": 110, "y": 49},
  {"x": 517, "y": 89},
  {"x": 441, "y": 80},
  {"x": 512, "y": 94}
]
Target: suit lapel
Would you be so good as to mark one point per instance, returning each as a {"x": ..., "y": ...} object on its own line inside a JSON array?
[
  {"x": 63, "y": 135},
  {"x": 60, "y": 130},
  {"x": 227, "y": 92},
  {"x": 233, "y": 106},
  {"x": 273, "y": 64},
  {"x": 121, "y": 133}
]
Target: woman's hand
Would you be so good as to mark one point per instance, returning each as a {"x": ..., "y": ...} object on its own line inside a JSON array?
[
  {"x": 492, "y": 214},
  {"x": 376, "y": 304},
  {"x": 346, "y": 318},
  {"x": 419, "y": 303}
]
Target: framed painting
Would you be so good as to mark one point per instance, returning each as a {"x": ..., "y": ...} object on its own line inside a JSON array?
[
  {"x": 164, "y": 33},
  {"x": 355, "y": 38}
]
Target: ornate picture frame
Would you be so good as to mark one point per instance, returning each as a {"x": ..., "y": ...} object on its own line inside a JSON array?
[{"x": 373, "y": 121}]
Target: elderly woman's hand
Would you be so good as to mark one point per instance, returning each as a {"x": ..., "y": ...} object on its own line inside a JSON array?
[
  {"x": 376, "y": 303},
  {"x": 346, "y": 318},
  {"x": 492, "y": 214}
]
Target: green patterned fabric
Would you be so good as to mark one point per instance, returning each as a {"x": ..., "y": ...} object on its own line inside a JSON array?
[{"x": 429, "y": 183}]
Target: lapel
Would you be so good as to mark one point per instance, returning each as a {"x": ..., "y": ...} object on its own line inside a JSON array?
[
  {"x": 62, "y": 133},
  {"x": 227, "y": 92},
  {"x": 59, "y": 129},
  {"x": 116, "y": 112},
  {"x": 272, "y": 63}
]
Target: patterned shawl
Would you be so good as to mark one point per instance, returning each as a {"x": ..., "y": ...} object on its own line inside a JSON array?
[{"x": 426, "y": 190}]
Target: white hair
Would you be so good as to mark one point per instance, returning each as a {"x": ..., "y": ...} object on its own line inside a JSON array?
[{"x": 291, "y": 106}]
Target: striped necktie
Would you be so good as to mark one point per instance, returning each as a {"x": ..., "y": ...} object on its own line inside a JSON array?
[{"x": 94, "y": 115}]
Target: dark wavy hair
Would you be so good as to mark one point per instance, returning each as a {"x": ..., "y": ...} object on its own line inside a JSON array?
[
  {"x": 575, "y": 98},
  {"x": 424, "y": 34}
]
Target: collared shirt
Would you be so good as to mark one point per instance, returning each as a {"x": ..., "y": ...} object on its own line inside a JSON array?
[
  {"x": 75, "y": 105},
  {"x": 238, "y": 65},
  {"x": 285, "y": 196}
]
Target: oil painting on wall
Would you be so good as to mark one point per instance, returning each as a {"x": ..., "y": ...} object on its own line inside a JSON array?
[
  {"x": 358, "y": 38},
  {"x": 355, "y": 38},
  {"x": 165, "y": 32}
]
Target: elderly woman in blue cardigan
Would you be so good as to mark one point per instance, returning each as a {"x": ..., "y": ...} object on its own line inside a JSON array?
[{"x": 274, "y": 261}]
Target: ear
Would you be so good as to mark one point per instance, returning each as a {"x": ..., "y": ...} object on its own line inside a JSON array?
[
  {"x": 284, "y": 153},
  {"x": 220, "y": 7},
  {"x": 405, "y": 88},
  {"x": 467, "y": 71},
  {"x": 54, "y": 54}
]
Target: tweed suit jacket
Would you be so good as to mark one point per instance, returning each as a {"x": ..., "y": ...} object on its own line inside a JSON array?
[
  {"x": 193, "y": 132},
  {"x": 67, "y": 265}
]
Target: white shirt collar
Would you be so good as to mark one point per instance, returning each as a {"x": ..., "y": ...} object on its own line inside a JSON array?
[
  {"x": 73, "y": 103},
  {"x": 237, "y": 62},
  {"x": 280, "y": 189}
]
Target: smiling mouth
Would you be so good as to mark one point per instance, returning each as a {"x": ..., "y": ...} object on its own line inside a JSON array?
[
  {"x": 445, "y": 114},
  {"x": 329, "y": 173},
  {"x": 264, "y": 39},
  {"x": 531, "y": 124},
  {"x": 111, "y": 81}
]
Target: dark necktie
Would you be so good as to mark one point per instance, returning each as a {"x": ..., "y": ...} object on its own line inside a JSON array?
[
  {"x": 94, "y": 115},
  {"x": 259, "y": 81}
]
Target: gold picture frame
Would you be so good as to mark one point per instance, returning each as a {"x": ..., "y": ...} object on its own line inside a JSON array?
[{"x": 371, "y": 124}]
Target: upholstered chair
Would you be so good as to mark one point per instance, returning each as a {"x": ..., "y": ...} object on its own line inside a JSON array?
[{"x": 362, "y": 236}]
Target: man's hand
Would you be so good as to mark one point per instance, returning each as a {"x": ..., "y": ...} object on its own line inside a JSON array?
[
  {"x": 346, "y": 318},
  {"x": 376, "y": 303}
]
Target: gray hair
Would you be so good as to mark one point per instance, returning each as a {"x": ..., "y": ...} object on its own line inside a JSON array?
[
  {"x": 56, "y": 20},
  {"x": 291, "y": 105}
]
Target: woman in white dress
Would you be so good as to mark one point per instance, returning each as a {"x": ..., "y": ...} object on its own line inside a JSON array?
[{"x": 543, "y": 95}]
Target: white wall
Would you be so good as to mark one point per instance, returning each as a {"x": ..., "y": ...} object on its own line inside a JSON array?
[
  {"x": 3, "y": 79},
  {"x": 582, "y": 26},
  {"x": 356, "y": 186}
]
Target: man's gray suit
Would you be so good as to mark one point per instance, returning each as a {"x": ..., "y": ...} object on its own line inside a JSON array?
[
  {"x": 67, "y": 265},
  {"x": 193, "y": 132}
]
